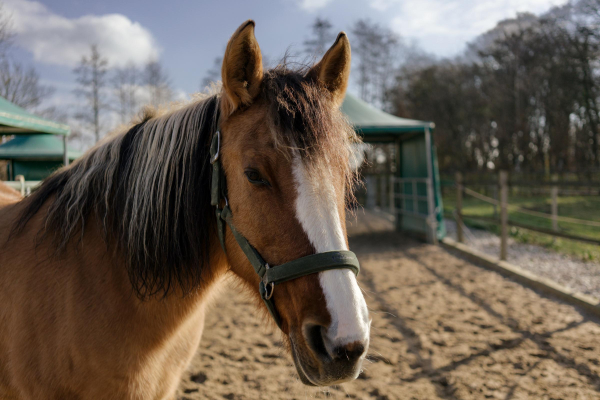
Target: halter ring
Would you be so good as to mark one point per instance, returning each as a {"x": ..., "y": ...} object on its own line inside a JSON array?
[{"x": 269, "y": 292}]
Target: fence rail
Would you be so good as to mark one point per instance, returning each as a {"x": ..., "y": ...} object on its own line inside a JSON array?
[
  {"x": 534, "y": 228},
  {"x": 552, "y": 216},
  {"x": 594, "y": 185},
  {"x": 23, "y": 186},
  {"x": 504, "y": 220}
]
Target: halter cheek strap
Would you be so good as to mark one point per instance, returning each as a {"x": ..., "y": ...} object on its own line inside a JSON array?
[{"x": 270, "y": 276}]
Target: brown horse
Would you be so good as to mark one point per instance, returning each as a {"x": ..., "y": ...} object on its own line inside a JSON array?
[{"x": 106, "y": 269}]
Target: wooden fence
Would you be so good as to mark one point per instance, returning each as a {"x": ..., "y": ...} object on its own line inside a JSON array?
[
  {"x": 23, "y": 186},
  {"x": 504, "y": 206}
]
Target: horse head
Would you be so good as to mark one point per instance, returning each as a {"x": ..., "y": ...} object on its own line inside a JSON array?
[{"x": 285, "y": 151}]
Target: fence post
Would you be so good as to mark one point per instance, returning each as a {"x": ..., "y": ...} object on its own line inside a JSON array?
[
  {"x": 503, "y": 214},
  {"x": 495, "y": 196},
  {"x": 554, "y": 192},
  {"x": 459, "y": 220},
  {"x": 392, "y": 196},
  {"x": 21, "y": 179}
]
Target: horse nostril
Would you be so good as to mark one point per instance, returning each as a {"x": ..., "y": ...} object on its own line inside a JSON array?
[
  {"x": 351, "y": 351},
  {"x": 318, "y": 343},
  {"x": 314, "y": 335}
]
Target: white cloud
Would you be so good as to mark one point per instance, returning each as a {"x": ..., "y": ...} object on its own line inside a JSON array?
[
  {"x": 55, "y": 39},
  {"x": 313, "y": 5},
  {"x": 443, "y": 27},
  {"x": 382, "y": 5}
]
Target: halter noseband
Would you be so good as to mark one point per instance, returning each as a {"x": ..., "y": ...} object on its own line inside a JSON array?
[{"x": 270, "y": 275}]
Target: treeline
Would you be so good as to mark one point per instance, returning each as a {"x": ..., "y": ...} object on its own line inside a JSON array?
[{"x": 523, "y": 96}]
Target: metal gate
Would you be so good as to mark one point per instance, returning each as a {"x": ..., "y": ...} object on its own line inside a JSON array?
[{"x": 413, "y": 205}]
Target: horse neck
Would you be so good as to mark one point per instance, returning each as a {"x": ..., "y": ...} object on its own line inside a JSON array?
[
  {"x": 91, "y": 275},
  {"x": 160, "y": 313}
]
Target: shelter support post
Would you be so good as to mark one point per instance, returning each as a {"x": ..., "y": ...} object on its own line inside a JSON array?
[
  {"x": 398, "y": 174},
  {"x": 382, "y": 191},
  {"x": 65, "y": 152},
  {"x": 415, "y": 197},
  {"x": 431, "y": 217},
  {"x": 392, "y": 198},
  {"x": 371, "y": 191}
]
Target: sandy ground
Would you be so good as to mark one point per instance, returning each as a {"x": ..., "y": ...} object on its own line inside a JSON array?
[{"x": 442, "y": 329}]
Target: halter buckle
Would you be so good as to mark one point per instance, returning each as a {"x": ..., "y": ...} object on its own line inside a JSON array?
[
  {"x": 215, "y": 157},
  {"x": 269, "y": 286}
]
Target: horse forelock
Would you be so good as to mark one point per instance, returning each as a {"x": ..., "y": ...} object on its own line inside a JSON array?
[{"x": 306, "y": 123}]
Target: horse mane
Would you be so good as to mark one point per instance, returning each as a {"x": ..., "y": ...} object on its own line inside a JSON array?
[{"x": 149, "y": 186}]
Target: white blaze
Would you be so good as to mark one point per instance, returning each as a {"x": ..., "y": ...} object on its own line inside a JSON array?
[{"x": 317, "y": 211}]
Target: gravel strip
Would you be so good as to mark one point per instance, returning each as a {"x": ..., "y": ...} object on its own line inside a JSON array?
[{"x": 571, "y": 272}]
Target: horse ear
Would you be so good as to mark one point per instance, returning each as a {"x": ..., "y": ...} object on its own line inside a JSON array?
[
  {"x": 333, "y": 71},
  {"x": 242, "y": 70}
]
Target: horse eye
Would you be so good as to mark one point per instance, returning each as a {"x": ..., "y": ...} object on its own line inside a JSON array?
[{"x": 255, "y": 178}]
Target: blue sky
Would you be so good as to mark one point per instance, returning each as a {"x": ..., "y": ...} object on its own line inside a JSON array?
[{"x": 187, "y": 35}]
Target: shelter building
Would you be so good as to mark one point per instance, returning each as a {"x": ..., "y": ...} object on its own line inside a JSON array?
[
  {"x": 414, "y": 186},
  {"x": 39, "y": 146},
  {"x": 34, "y": 156}
]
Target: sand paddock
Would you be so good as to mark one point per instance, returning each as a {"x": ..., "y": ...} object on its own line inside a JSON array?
[{"x": 442, "y": 328}]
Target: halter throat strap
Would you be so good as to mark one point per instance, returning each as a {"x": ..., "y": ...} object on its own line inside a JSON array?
[{"x": 270, "y": 276}]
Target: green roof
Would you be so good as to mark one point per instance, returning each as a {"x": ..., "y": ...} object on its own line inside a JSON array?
[
  {"x": 35, "y": 147},
  {"x": 368, "y": 120},
  {"x": 15, "y": 120}
]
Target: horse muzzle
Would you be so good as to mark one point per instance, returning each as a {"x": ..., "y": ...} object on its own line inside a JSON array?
[{"x": 320, "y": 362}]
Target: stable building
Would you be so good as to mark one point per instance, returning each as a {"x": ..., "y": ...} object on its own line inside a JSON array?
[
  {"x": 39, "y": 145},
  {"x": 414, "y": 183}
]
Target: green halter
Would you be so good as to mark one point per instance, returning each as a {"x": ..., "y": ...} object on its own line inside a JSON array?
[{"x": 270, "y": 275}]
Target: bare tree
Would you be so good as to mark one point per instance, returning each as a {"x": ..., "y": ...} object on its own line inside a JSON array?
[
  {"x": 21, "y": 85},
  {"x": 378, "y": 53},
  {"x": 158, "y": 83},
  {"x": 322, "y": 37},
  {"x": 125, "y": 83},
  {"x": 6, "y": 31},
  {"x": 91, "y": 77},
  {"x": 56, "y": 114},
  {"x": 18, "y": 84},
  {"x": 212, "y": 75}
]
